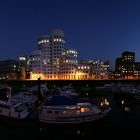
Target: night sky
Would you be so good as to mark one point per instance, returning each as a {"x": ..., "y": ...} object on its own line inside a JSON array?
[{"x": 98, "y": 29}]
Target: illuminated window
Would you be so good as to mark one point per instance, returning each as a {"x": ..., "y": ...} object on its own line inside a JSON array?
[
  {"x": 64, "y": 112},
  {"x": 84, "y": 109},
  {"x": 22, "y": 58}
]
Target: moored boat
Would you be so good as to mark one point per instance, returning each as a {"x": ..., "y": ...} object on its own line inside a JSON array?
[
  {"x": 65, "y": 110},
  {"x": 11, "y": 108}
]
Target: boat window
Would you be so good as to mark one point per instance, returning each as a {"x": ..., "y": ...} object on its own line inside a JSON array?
[
  {"x": 4, "y": 106},
  {"x": 85, "y": 109},
  {"x": 49, "y": 111},
  {"x": 56, "y": 112},
  {"x": 78, "y": 112},
  {"x": 64, "y": 112}
]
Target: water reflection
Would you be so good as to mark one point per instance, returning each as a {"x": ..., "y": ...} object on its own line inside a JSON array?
[
  {"x": 125, "y": 103},
  {"x": 114, "y": 122}
]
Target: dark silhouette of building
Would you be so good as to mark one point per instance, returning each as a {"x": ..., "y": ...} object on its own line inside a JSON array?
[
  {"x": 137, "y": 70},
  {"x": 126, "y": 67},
  {"x": 25, "y": 68},
  {"x": 10, "y": 70}
]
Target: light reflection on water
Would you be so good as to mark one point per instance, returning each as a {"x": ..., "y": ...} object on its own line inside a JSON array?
[{"x": 123, "y": 120}]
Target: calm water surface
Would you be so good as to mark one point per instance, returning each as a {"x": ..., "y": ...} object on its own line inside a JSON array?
[{"x": 122, "y": 122}]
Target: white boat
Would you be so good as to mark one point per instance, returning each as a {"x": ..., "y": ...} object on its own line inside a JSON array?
[
  {"x": 26, "y": 98},
  {"x": 43, "y": 89},
  {"x": 11, "y": 108},
  {"x": 70, "y": 111},
  {"x": 68, "y": 91}
]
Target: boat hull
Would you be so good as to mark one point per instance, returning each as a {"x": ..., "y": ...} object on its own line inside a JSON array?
[{"x": 74, "y": 120}]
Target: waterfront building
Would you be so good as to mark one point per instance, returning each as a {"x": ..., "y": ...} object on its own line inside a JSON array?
[
  {"x": 98, "y": 69},
  {"x": 125, "y": 66},
  {"x": 25, "y": 67},
  {"x": 53, "y": 60},
  {"x": 68, "y": 64},
  {"x": 36, "y": 65},
  {"x": 10, "y": 70},
  {"x": 137, "y": 70},
  {"x": 83, "y": 72},
  {"x": 52, "y": 47}
]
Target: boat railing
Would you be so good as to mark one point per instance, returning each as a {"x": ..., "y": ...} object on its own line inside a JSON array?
[{"x": 75, "y": 119}]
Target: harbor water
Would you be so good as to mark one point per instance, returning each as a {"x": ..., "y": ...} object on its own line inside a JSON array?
[{"x": 123, "y": 121}]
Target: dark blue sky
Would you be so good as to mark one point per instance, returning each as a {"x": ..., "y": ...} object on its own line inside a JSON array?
[{"x": 98, "y": 29}]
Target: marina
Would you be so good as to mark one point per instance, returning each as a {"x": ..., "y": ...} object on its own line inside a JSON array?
[
  {"x": 70, "y": 69},
  {"x": 121, "y": 121},
  {"x": 66, "y": 110}
]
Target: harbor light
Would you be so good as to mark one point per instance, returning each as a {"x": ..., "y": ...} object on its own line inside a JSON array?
[
  {"x": 78, "y": 132},
  {"x": 122, "y": 102}
]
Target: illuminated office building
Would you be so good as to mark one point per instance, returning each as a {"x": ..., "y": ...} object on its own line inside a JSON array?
[
  {"x": 52, "y": 60},
  {"x": 98, "y": 69},
  {"x": 10, "y": 70},
  {"x": 125, "y": 66},
  {"x": 68, "y": 64}
]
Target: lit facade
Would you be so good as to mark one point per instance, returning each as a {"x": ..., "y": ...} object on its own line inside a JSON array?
[
  {"x": 68, "y": 64},
  {"x": 25, "y": 66},
  {"x": 52, "y": 60},
  {"x": 83, "y": 72},
  {"x": 36, "y": 65},
  {"x": 125, "y": 66},
  {"x": 98, "y": 69},
  {"x": 137, "y": 70},
  {"x": 52, "y": 47},
  {"x": 10, "y": 70}
]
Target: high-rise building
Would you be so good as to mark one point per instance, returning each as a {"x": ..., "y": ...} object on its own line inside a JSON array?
[
  {"x": 36, "y": 65},
  {"x": 137, "y": 70},
  {"x": 68, "y": 64},
  {"x": 52, "y": 47},
  {"x": 125, "y": 65},
  {"x": 10, "y": 70},
  {"x": 52, "y": 60},
  {"x": 98, "y": 69},
  {"x": 119, "y": 68},
  {"x": 25, "y": 68}
]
